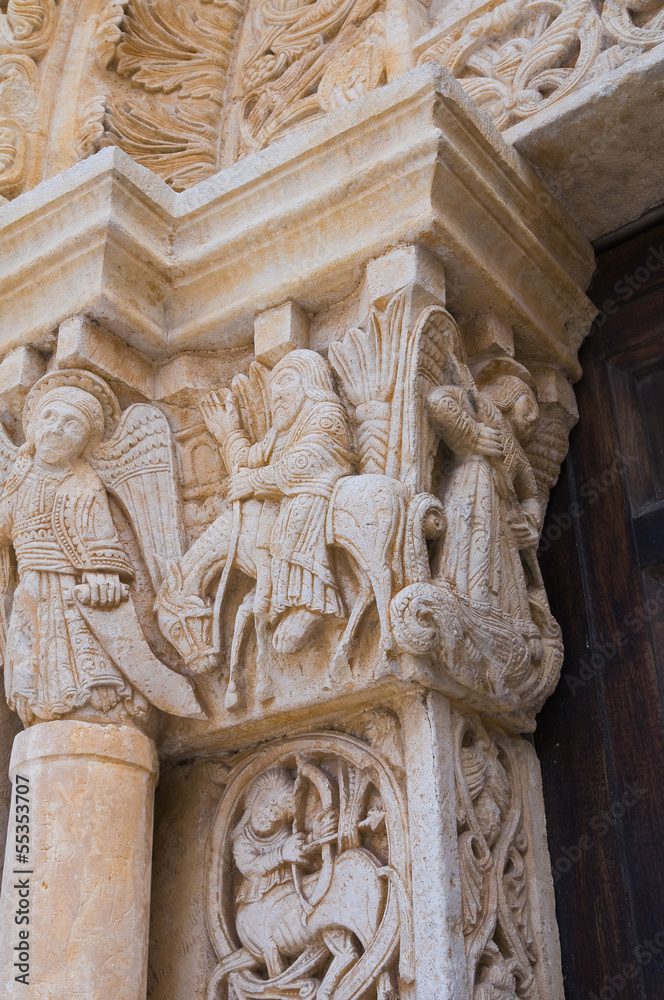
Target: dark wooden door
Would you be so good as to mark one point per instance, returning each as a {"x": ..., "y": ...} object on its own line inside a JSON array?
[{"x": 601, "y": 736}]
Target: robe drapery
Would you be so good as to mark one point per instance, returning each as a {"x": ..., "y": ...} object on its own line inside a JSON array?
[
  {"x": 305, "y": 463},
  {"x": 481, "y": 556},
  {"x": 60, "y": 527}
]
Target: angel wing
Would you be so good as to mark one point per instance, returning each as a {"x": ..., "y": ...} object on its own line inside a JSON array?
[
  {"x": 253, "y": 398},
  {"x": 546, "y": 451},
  {"x": 386, "y": 372},
  {"x": 137, "y": 465},
  {"x": 430, "y": 354},
  {"x": 8, "y": 454}
]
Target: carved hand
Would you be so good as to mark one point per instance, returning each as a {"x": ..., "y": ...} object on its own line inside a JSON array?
[
  {"x": 220, "y": 414},
  {"x": 489, "y": 442},
  {"x": 524, "y": 534},
  {"x": 240, "y": 486},
  {"x": 106, "y": 591},
  {"x": 326, "y": 824},
  {"x": 104, "y": 697},
  {"x": 293, "y": 850}
]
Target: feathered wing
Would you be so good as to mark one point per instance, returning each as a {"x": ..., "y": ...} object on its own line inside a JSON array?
[
  {"x": 430, "y": 355},
  {"x": 386, "y": 372},
  {"x": 8, "y": 453},
  {"x": 252, "y": 395},
  {"x": 137, "y": 465},
  {"x": 546, "y": 451}
]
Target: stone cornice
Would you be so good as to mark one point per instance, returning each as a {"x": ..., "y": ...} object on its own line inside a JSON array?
[{"x": 412, "y": 162}]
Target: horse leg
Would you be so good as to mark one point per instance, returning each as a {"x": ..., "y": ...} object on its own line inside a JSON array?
[
  {"x": 381, "y": 582},
  {"x": 344, "y": 955},
  {"x": 264, "y": 686},
  {"x": 242, "y": 619},
  {"x": 375, "y": 541},
  {"x": 387, "y": 988},
  {"x": 340, "y": 668},
  {"x": 273, "y": 960}
]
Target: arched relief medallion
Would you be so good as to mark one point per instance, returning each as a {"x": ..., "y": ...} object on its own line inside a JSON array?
[{"x": 308, "y": 882}]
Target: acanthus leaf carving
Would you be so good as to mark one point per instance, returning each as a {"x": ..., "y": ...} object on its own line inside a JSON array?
[
  {"x": 633, "y": 22},
  {"x": 90, "y": 126},
  {"x": 517, "y": 57},
  {"x": 13, "y": 155},
  {"x": 167, "y": 49},
  {"x": 27, "y": 27},
  {"x": 177, "y": 142},
  {"x": 108, "y": 31},
  {"x": 18, "y": 83},
  {"x": 285, "y": 55}
]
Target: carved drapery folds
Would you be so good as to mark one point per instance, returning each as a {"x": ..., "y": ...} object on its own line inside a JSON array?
[
  {"x": 74, "y": 644},
  {"x": 252, "y": 547},
  {"x": 517, "y": 58},
  {"x": 397, "y": 482},
  {"x": 308, "y": 890}
]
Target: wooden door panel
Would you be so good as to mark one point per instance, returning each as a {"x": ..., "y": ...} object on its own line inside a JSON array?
[{"x": 603, "y": 731}]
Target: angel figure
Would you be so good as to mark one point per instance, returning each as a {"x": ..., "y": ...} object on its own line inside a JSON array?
[
  {"x": 491, "y": 500},
  {"x": 73, "y": 646}
]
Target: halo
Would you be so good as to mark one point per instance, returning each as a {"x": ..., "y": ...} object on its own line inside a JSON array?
[
  {"x": 78, "y": 379},
  {"x": 487, "y": 371}
]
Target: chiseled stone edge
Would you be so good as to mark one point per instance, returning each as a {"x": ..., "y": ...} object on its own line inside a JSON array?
[
  {"x": 600, "y": 148},
  {"x": 414, "y": 161},
  {"x": 67, "y": 738}
]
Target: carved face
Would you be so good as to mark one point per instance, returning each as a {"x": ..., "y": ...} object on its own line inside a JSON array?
[
  {"x": 270, "y": 810},
  {"x": 288, "y": 396},
  {"x": 61, "y": 432},
  {"x": 523, "y": 415}
]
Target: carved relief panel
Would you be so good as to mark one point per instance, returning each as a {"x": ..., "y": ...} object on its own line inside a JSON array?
[
  {"x": 515, "y": 60},
  {"x": 381, "y": 505},
  {"x": 74, "y": 645},
  {"x": 308, "y": 885},
  {"x": 495, "y": 861}
]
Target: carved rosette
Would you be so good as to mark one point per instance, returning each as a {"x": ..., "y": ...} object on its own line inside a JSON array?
[{"x": 337, "y": 922}]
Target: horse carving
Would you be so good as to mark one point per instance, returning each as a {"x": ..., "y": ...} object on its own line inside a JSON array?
[{"x": 292, "y": 498}]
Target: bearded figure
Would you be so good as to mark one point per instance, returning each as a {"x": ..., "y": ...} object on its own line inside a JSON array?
[{"x": 273, "y": 524}]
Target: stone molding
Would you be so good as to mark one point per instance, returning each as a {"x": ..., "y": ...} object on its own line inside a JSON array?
[{"x": 412, "y": 162}]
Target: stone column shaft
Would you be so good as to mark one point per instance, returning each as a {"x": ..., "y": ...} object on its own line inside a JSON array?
[{"x": 74, "y": 914}]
